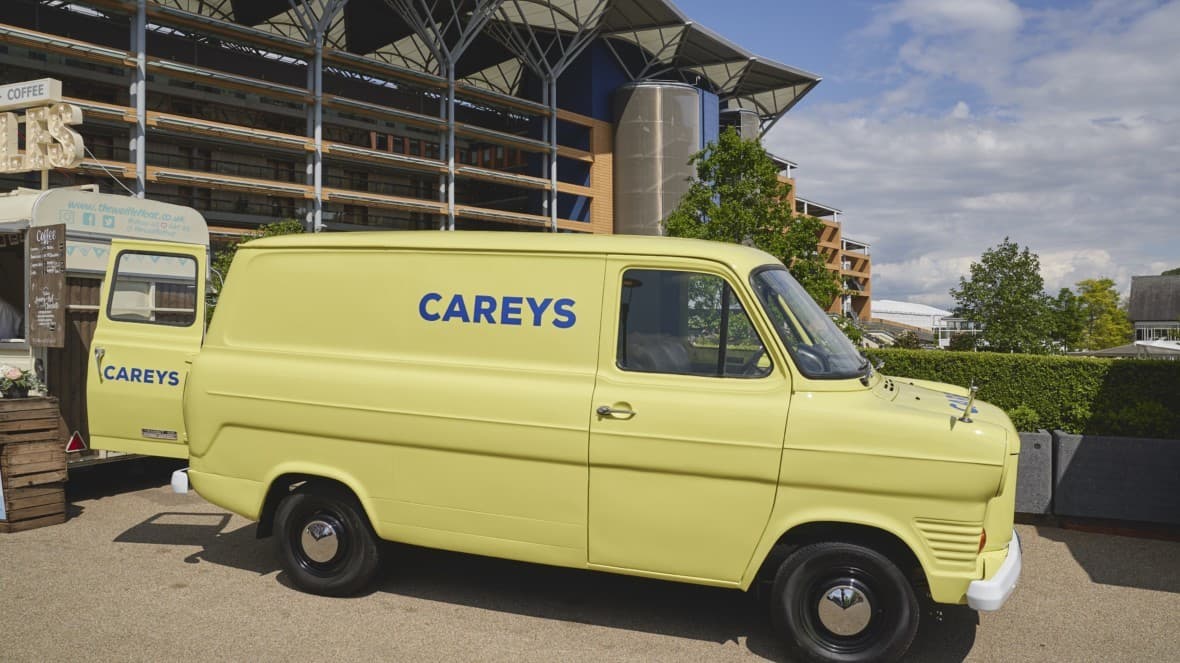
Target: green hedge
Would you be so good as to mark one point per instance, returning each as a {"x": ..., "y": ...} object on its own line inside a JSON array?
[{"x": 1122, "y": 397}]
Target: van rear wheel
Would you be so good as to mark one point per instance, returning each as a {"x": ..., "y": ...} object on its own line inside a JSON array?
[
  {"x": 325, "y": 542},
  {"x": 843, "y": 602}
]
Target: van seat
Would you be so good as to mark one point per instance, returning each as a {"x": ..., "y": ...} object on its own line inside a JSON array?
[{"x": 658, "y": 353}]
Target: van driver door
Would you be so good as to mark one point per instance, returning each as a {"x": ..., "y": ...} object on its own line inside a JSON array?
[
  {"x": 686, "y": 432},
  {"x": 151, "y": 323}
]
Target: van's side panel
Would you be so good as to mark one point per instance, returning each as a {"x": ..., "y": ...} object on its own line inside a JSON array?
[
  {"x": 684, "y": 488},
  {"x": 450, "y": 390}
]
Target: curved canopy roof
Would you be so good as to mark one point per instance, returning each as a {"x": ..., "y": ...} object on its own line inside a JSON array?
[{"x": 652, "y": 40}]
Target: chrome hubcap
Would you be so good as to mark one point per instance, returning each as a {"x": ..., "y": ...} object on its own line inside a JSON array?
[
  {"x": 319, "y": 541},
  {"x": 845, "y": 610}
]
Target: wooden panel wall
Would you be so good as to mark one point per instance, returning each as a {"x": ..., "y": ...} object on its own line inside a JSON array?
[{"x": 67, "y": 366}]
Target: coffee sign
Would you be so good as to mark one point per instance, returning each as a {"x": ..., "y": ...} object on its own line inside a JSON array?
[
  {"x": 46, "y": 258},
  {"x": 43, "y": 92},
  {"x": 49, "y": 142}
]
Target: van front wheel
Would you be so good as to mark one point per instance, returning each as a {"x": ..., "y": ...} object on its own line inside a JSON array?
[
  {"x": 843, "y": 602},
  {"x": 325, "y": 542}
]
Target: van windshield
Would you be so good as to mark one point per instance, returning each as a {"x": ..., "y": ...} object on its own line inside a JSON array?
[{"x": 817, "y": 345}]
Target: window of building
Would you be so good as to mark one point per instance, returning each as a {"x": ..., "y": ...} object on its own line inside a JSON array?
[
  {"x": 282, "y": 171},
  {"x": 197, "y": 158},
  {"x": 356, "y": 215},
  {"x": 1158, "y": 333},
  {"x": 358, "y": 180},
  {"x": 686, "y": 323},
  {"x": 101, "y": 146}
]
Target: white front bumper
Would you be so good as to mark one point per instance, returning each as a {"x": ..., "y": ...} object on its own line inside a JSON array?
[{"x": 990, "y": 595}]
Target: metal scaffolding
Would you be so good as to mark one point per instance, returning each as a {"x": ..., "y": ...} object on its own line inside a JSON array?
[
  {"x": 479, "y": 48},
  {"x": 446, "y": 28},
  {"x": 315, "y": 18},
  {"x": 548, "y": 36}
]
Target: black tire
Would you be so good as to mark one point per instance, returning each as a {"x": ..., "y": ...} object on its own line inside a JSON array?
[
  {"x": 348, "y": 559},
  {"x": 878, "y": 628}
]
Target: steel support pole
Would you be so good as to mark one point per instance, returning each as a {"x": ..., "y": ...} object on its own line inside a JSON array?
[
  {"x": 545, "y": 137},
  {"x": 553, "y": 153},
  {"x": 309, "y": 160},
  {"x": 138, "y": 142},
  {"x": 451, "y": 144},
  {"x": 442, "y": 177},
  {"x": 317, "y": 221}
]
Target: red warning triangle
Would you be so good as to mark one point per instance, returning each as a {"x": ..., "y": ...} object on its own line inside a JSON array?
[{"x": 76, "y": 443}]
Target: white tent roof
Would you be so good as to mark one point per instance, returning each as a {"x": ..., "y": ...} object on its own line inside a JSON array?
[{"x": 906, "y": 308}]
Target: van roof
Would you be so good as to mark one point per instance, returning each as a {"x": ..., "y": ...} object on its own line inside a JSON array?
[{"x": 737, "y": 256}]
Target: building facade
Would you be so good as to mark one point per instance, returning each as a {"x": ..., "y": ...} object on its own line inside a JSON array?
[
  {"x": 845, "y": 257},
  {"x": 1154, "y": 308},
  {"x": 562, "y": 115}
]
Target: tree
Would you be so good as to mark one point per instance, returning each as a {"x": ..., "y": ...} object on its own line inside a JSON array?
[
  {"x": 908, "y": 340},
  {"x": 1171, "y": 272},
  {"x": 1004, "y": 295},
  {"x": 963, "y": 343},
  {"x": 1105, "y": 324},
  {"x": 738, "y": 198},
  {"x": 1068, "y": 320},
  {"x": 851, "y": 329}
]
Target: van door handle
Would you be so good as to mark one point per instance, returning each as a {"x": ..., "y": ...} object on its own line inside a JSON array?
[
  {"x": 99, "y": 353},
  {"x": 608, "y": 411}
]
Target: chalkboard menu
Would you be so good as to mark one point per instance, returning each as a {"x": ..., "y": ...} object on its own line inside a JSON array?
[{"x": 47, "y": 285}]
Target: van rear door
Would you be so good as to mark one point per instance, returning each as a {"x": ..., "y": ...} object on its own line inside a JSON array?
[{"x": 151, "y": 322}]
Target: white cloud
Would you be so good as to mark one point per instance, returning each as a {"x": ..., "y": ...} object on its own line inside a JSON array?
[
  {"x": 946, "y": 37},
  {"x": 1063, "y": 269},
  {"x": 923, "y": 277},
  {"x": 952, "y": 16},
  {"x": 1071, "y": 148}
]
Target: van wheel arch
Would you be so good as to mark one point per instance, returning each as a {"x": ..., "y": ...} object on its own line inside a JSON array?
[
  {"x": 285, "y": 485},
  {"x": 883, "y": 541}
]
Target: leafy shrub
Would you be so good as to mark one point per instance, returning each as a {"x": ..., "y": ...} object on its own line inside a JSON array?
[
  {"x": 1143, "y": 419},
  {"x": 1135, "y": 398},
  {"x": 908, "y": 340},
  {"x": 1025, "y": 418}
]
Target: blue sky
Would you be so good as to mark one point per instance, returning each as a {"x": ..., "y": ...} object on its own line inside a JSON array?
[{"x": 942, "y": 126}]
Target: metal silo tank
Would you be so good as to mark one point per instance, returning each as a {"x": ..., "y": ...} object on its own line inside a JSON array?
[{"x": 658, "y": 129}]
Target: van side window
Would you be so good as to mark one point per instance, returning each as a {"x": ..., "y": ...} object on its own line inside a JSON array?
[
  {"x": 686, "y": 323},
  {"x": 155, "y": 289}
]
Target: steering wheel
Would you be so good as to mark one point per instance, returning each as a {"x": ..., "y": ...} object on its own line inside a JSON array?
[
  {"x": 810, "y": 361},
  {"x": 750, "y": 365}
]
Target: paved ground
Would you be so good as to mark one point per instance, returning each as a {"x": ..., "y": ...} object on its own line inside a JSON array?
[{"x": 141, "y": 574}]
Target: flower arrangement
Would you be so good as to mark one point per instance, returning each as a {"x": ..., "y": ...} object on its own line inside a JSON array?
[{"x": 17, "y": 383}]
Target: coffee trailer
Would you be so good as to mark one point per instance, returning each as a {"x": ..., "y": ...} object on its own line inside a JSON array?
[{"x": 54, "y": 249}]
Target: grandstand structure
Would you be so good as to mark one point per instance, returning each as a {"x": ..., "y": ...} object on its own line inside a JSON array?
[{"x": 527, "y": 115}]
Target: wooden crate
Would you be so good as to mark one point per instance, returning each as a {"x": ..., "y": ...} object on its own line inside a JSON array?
[{"x": 32, "y": 463}]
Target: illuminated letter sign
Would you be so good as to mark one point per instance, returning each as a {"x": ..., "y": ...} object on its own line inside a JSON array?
[{"x": 49, "y": 140}]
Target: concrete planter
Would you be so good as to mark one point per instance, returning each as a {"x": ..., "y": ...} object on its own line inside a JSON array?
[
  {"x": 1034, "y": 475},
  {"x": 1122, "y": 478}
]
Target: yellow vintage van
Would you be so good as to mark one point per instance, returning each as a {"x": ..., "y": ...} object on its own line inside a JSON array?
[{"x": 658, "y": 407}]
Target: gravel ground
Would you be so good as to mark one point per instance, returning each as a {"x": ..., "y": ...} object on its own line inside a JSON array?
[{"x": 141, "y": 574}]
